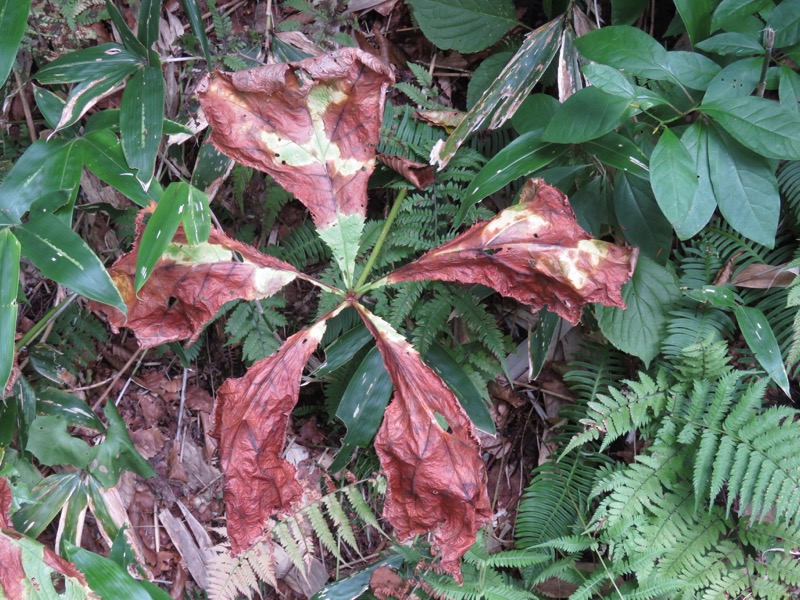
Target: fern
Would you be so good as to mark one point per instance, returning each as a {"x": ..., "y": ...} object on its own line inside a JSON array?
[
  {"x": 76, "y": 333},
  {"x": 302, "y": 247},
  {"x": 253, "y": 324}
]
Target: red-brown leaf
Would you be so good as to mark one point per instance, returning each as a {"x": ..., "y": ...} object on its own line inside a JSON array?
[
  {"x": 437, "y": 479},
  {"x": 189, "y": 284},
  {"x": 313, "y": 125},
  {"x": 535, "y": 252},
  {"x": 251, "y": 417},
  {"x": 419, "y": 174}
]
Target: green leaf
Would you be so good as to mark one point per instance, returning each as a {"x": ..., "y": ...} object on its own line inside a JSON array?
[
  {"x": 54, "y": 402},
  {"x": 343, "y": 349},
  {"x": 9, "y": 285},
  {"x": 731, "y": 43},
  {"x": 196, "y": 218},
  {"x": 764, "y": 126},
  {"x": 464, "y": 25},
  {"x": 761, "y": 340},
  {"x": 108, "y": 579},
  {"x": 445, "y": 366},
  {"x": 704, "y": 203},
  {"x": 641, "y": 327},
  {"x": 117, "y": 453},
  {"x": 626, "y": 48},
  {"x": 523, "y": 156},
  {"x": 51, "y": 107},
  {"x": 48, "y": 498},
  {"x": 103, "y": 157},
  {"x": 343, "y": 238},
  {"x": 609, "y": 79},
  {"x": 540, "y": 338},
  {"x": 89, "y": 64},
  {"x": 192, "y": 10},
  {"x": 785, "y": 20},
  {"x": 210, "y": 166},
  {"x": 587, "y": 114},
  {"x": 44, "y": 168},
  {"x": 789, "y": 88},
  {"x": 673, "y": 176},
  {"x": 696, "y": 15},
  {"x": 485, "y": 75},
  {"x": 746, "y": 189},
  {"x": 50, "y": 443},
  {"x": 737, "y": 79},
  {"x": 61, "y": 255},
  {"x": 160, "y": 230},
  {"x": 640, "y": 218},
  {"x": 715, "y": 295},
  {"x": 87, "y": 93},
  {"x": 141, "y": 121},
  {"x": 534, "y": 113},
  {"x": 692, "y": 69},
  {"x": 131, "y": 42},
  {"x": 109, "y": 119},
  {"x": 13, "y": 18},
  {"x": 735, "y": 10},
  {"x": 149, "y": 16},
  {"x": 619, "y": 152},
  {"x": 627, "y": 12}
]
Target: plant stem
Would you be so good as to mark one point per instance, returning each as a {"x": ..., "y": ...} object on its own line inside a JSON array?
[
  {"x": 379, "y": 244},
  {"x": 43, "y": 322}
]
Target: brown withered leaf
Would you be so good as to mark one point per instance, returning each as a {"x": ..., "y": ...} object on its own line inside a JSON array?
[
  {"x": 534, "y": 252},
  {"x": 436, "y": 477},
  {"x": 766, "y": 276},
  {"x": 251, "y": 417},
  {"x": 418, "y": 174},
  {"x": 188, "y": 286},
  {"x": 313, "y": 125}
]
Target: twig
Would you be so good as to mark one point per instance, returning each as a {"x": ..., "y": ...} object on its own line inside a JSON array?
[
  {"x": 116, "y": 377},
  {"x": 183, "y": 402},
  {"x": 769, "y": 44},
  {"x": 25, "y": 107}
]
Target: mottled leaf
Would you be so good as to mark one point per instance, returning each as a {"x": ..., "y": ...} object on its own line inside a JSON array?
[
  {"x": 437, "y": 479},
  {"x": 534, "y": 252}
]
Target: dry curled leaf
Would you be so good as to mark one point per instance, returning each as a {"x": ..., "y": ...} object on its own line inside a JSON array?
[
  {"x": 436, "y": 477},
  {"x": 419, "y": 174},
  {"x": 189, "y": 284},
  {"x": 765, "y": 277},
  {"x": 534, "y": 252},
  {"x": 251, "y": 417}
]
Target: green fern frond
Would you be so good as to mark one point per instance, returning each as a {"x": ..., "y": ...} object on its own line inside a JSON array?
[
  {"x": 432, "y": 318},
  {"x": 253, "y": 324},
  {"x": 695, "y": 324},
  {"x": 302, "y": 247}
]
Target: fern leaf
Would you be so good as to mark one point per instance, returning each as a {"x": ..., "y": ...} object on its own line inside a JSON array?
[
  {"x": 339, "y": 518},
  {"x": 321, "y": 529}
]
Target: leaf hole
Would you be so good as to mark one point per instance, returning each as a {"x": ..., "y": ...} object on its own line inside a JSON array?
[{"x": 171, "y": 301}]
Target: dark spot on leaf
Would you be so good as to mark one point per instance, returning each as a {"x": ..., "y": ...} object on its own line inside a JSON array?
[{"x": 171, "y": 301}]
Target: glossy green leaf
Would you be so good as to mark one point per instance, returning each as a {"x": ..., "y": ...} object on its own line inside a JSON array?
[
  {"x": 89, "y": 92},
  {"x": 696, "y": 16},
  {"x": 704, "y": 203},
  {"x": 534, "y": 114},
  {"x": 464, "y": 25},
  {"x": 593, "y": 205},
  {"x": 761, "y": 340},
  {"x": 51, "y": 106},
  {"x": 640, "y": 328},
  {"x": 766, "y": 127},
  {"x": 452, "y": 373},
  {"x": 9, "y": 284},
  {"x": 13, "y": 18},
  {"x": 141, "y": 121},
  {"x": 149, "y": 16},
  {"x": 44, "y": 168},
  {"x": 789, "y": 88},
  {"x": 504, "y": 96},
  {"x": 363, "y": 404},
  {"x": 160, "y": 229},
  {"x": 785, "y": 20},
  {"x": 731, "y": 43},
  {"x": 109, "y": 119},
  {"x": 51, "y": 444},
  {"x": 691, "y": 69},
  {"x": 745, "y": 187},
  {"x": 61, "y": 255},
  {"x": 343, "y": 349},
  {"x": 103, "y": 156},
  {"x": 587, "y": 115},
  {"x": 737, "y": 79},
  {"x": 92, "y": 63},
  {"x": 131, "y": 42},
  {"x": 108, "y": 579},
  {"x": 192, "y": 10},
  {"x": 117, "y": 453},
  {"x": 735, "y": 10},
  {"x": 640, "y": 218},
  {"x": 210, "y": 166},
  {"x": 196, "y": 217},
  {"x": 715, "y": 295},
  {"x": 609, "y": 79},
  {"x": 673, "y": 175},
  {"x": 626, "y": 48},
  {"x": 48, "y": 498},
  {"x": 54, "y": 402},
  {"x": 620, "y": 152},
  {"x": 485, "y": 75},
  {"x": 521, "y": 157},
  {"x": 627, "y": 12},
  {"x": 540, "y": 338}
]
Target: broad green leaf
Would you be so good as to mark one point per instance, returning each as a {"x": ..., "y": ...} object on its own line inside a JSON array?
[
  {"x": 192, "y": 10},
  {"x": 619, "y": 152},
  {"x": 673, "y": 175},
  {"x": 109, "y": 119},
  {"x": 764, "y": 126},
  {"x": 640, "y": 218},
  {"x": 715, "y": 295},
  {"x": 704, "y": 203},
  {"x": 746, "y": 189},
  {"x": 731, "y": 43},
  {"x": 696, "y": 15},
  {"x": 44, "y": 168},
  {"x": 50, "y": 443},
  {"x": 13, "y": 18},
  {"x": 108, "y": 579},
  {"x": 692, "y": 69},
  {"x": 464, "y": 25},
  {"x": 457, "y": 380},
  {"x": 149, "y": 16},
  {"x": 523, "y": 156},
  {"x": 540, "y": 338},
  {"x": 9, "y": 285},
  {"x": 534, "y": 114},
  {"x": 89, "y": 92},
  {"x": 49, "y": 496},
  {"x": 509, "y": 90},
  {"x": 89, "y": 64},
  {"x": 485, "y": 75},
  {"x": 587, "y": 115},
  {"x": 641, "y": 327},
  {"x": 54, "y": 402},
  {"x": 130, "y": 40},
  {"x": 593, "y": 205},
  {"x": 141, "y": 121},
  {"x": 735, "y": 10},
  {"x": 626, "y": 48},
  {"x": 196, "y": 218},
  {"x": 627, "y": 12},
  {"x": 61, "y": 255},
  {"x": 789, "y": 88},
  {"x": 363, "y": 404},
  {"x": 117, "y": 453},
  {"x": 761, "y": 340},
  {"x": 160, "y": 230},
  {"x": 785, "y": 20},
  {"x": 609, "y": 79},
  {"x": 343, "y": 349},
  {"x": 103, "y": 156},
  {"x": 737, "y": 79}
]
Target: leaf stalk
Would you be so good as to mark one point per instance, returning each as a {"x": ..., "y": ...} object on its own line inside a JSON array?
[{"x": 381, "y": 239}]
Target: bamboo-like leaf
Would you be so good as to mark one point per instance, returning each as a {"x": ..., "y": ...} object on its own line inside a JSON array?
[
  {"x": 758, "y": 334},
  {"x": 159, "y": 231},
  {"x": 13, "y": 18},
  {"x": 89, "y": 92},
  {"x": 196, "y": 20},
  {"x": 149, "y": 16},
  {"x": 141, "y": 120},
  {"x": 89, "y": 64},
  {"x": 9, "y": 285}
]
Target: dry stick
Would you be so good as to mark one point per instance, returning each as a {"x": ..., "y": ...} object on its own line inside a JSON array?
[
  {"x": 25, "y": 107},
  {"x": 183, "y": 402},
  {"x": 231, "y": 7},
  {"x": 117, "y": 377}
]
